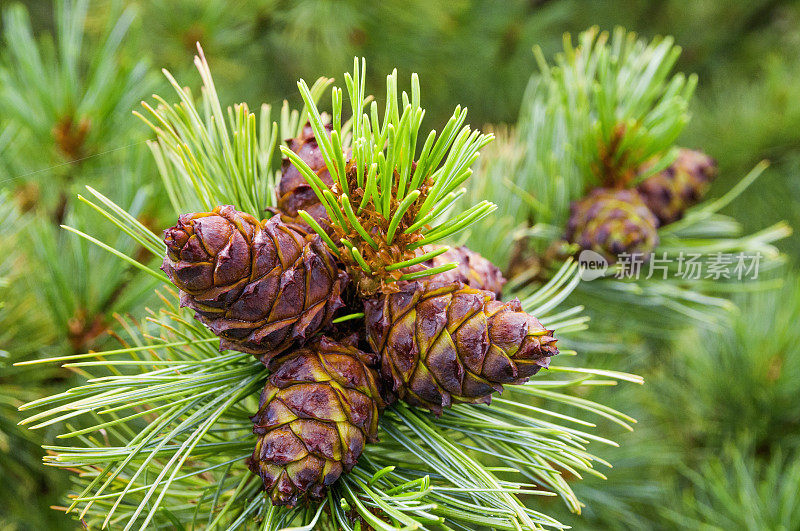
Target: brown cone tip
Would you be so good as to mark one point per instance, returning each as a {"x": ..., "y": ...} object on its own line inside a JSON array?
[
  {"x": 318, "y": 409},
  {"x": 261, "y": 287},
  {"x": 442, "y": 343}
]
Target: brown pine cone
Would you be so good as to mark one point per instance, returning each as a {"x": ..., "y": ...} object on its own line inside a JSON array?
[
  {"x": 669, "y": 193},
  {"x": 442, "y": 343},
  {"x": 261, "y": 287},
  {"x": 612, "y": 222},
  {"x": 318, "y": 409}
]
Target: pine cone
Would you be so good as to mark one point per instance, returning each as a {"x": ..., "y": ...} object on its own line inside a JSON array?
[
  {"x": 611, "y": 222},
  {"x": 317, "y": 410},
  {"x": 261, "y": 287},
  {"x": 672, "y": 191},
  {"x": 442, "y": 343},
  {"x": 473, "y": 269},
  {"x": 294, "y": 193}
]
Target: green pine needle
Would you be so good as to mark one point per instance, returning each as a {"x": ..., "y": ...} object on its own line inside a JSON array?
[{"x": 208, "y": 157}]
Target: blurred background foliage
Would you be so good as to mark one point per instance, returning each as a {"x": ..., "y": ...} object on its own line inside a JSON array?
[{"x": 717, "y": 440}]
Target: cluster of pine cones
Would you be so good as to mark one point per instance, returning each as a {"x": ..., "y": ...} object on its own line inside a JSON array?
[
  {"x": 614, "y": 221},
  {"x": 272, "y": 288}
]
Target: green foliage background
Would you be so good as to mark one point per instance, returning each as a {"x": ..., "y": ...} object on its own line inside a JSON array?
[{"x": 719, "y": 422}]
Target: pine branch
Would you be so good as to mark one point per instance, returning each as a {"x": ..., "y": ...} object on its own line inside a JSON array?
[
  {"x": 388, "y": 199},
  {"x": 66, "y": 99},
  {"x": 159, "y": 429},
  {"x": 173, "y": 412},
  {"x": 618, "y": 101},
  {"x": 71, "y": 100},
  {"x": 607, "y": 114}
]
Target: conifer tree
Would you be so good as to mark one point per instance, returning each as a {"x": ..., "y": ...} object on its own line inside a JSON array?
[
  {"x": 199, "y": 398},
  {"x": 154, "y": 418}
]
